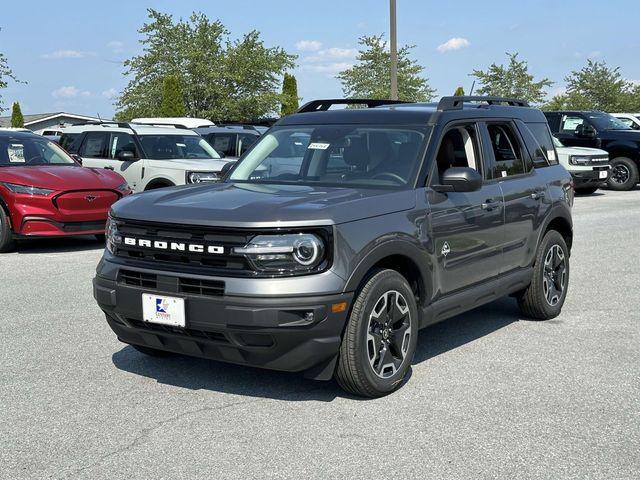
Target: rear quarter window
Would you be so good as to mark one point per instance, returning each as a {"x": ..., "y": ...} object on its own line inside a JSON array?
[{"x": 544, "y": 147}]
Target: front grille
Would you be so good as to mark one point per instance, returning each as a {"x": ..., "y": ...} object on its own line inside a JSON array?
[
  {"x": 186, "y": 332},
  {"x": 211, "y": 288},
  {"x": 226, "y": 263},
  {"x": 598, "y": 160},
  {"x": 138, "y": 279}
]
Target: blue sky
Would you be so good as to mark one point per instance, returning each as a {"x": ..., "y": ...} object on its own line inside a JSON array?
[{"x": 69, "y": 53}]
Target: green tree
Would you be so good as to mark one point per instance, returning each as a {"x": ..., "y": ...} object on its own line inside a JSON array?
[
  {"x": 513, "y": 80},
  {"x": 6, "y": 74},
  {"x": 370, "y": 77},
  {"x": 172, "y": 99},
  {"x": 17, "y": 120},
  {"x": 459, "y": 92},
  {"x": 220, "y": 78},
  {"x": 289, "y": 95},
  {"x": 597, "y": 86}
]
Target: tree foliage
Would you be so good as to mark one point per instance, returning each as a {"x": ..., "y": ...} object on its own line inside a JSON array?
[
  {"x": 221, "y": 78},
  {"x": 172, "y": 98},
  {"x": 370, "y": 77},
  {"x": 597, "y": 87},
  {"x": 459, "y": 92},
  {"x": 6, "y": 74},
  {"x": 513, "y": 80},
  {"x": 289, "y": 95},
  {"x": 17, "y": 119}
]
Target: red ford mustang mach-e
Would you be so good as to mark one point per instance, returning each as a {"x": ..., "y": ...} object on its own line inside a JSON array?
[{"x": 44, "y": 192}]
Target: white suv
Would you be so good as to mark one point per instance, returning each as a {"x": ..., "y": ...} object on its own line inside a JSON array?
[
  {"x": 147, "y": 157},
  {"x": 589, "y": 167},
  {"x": 632, "y": 120}
]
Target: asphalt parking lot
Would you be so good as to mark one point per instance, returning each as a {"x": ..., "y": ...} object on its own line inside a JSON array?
[{"x": 491, "y": 395}]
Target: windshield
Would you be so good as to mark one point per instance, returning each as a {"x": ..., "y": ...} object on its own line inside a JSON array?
[
  {"x": 335, "y": 155},
  {"x": 31, "y": 151},
  {"x": 170, "y": 147},
  {"x": 604, "y": 121}
]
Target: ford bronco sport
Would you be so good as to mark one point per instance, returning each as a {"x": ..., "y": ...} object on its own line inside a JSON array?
[{"x": 340, "y": 234}]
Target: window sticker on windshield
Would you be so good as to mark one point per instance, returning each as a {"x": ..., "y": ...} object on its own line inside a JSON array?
[
  {"x": 16, "y": 153},
  {"x": 318, "y": 146},
  {"x": 551, "y": 155},
  {"x": 183, "y": 145}
]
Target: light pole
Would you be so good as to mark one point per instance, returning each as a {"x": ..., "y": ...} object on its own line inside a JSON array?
[{"x": 394, "y": 50}]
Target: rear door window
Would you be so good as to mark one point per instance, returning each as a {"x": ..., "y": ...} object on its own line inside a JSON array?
[
  {"x": 570, "y": 123},
  {"x": 95, "y": 145},
  {"x": 508, "y": 154},
  {"x": 223, "y": 143}
]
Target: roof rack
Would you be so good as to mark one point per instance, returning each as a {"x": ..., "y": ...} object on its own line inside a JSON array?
[
  {"x": 103, "y": 122},
  {"x": 456, "y": 103},
  {"x": 323, "y": 105},
  {"x": 156, "y": 124}
]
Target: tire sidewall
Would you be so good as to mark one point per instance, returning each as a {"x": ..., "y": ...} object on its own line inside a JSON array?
[
  {"x": 384, "y": 282},
  {"x": 6, "y": 235},
  {"x": 550, "y": 239},
  {"x": 633, "y": 169}
]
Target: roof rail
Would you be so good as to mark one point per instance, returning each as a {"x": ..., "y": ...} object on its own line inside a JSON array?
[
  {"x": 103, "y": 122},
  {"x": 156, "y": 124},
  {"x": 323, "y": 105},
  {"x": 456, "y": 103}
]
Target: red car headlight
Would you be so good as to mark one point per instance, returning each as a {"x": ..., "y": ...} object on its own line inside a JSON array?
[{"x": 26, "y": 189}]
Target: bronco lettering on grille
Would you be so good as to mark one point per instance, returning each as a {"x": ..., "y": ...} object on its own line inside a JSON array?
[{"x": 174, "y": 246}]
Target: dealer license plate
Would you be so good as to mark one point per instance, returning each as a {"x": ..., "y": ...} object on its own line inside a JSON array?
[
  {"x": 602, "y": 174},
  {"x": 163, "y": 310}
]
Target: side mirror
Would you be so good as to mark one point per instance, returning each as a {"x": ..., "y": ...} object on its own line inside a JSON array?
[
  {"x": 126, "y": 156},
  {"x": 226, "y": 168},
  {"x": 76, "y": 157},
  {"x": 459, "y": 179},
  {"x": 587, "y": 131}
]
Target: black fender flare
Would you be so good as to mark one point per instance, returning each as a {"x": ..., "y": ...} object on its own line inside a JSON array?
[
  {"x": 397, "y": 247},
  {"x": 159, "y": 183},
  {"x": 559, "y": 211}
]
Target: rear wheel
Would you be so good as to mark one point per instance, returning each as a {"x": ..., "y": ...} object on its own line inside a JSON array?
[
  {"x": 623, "y": 175},
  {"x": 152, "y": 352},
  {"x": 380, "y": 338},
  {"x": 586, "y": 190},
  {"x": 544, "y": 297},
  {"x": 7, "y": 243}
]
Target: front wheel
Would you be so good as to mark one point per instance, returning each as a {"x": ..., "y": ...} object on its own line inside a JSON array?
[
  {"x": 380, "y": 338},
  {"x": 7, "y": 243},
  {"x": 544, "y": 297},
  {"x": 624, "y": 174}
]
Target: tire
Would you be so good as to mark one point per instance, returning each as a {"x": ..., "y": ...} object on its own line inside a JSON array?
[
  {"x": 543, "y": 299},
  {"x": 586, "y": 190},
  {"x": 152, "y": 352},
  {"x": 7, "y": 243},
  {"x": 367, "y": 331},
  {"x": 624, "y": 174}
]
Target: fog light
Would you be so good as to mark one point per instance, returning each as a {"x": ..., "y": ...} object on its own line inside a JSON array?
[{"x": 339, "y": 307}]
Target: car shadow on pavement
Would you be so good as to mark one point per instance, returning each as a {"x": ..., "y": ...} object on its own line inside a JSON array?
[
  {"x": 58, "y": 245},
  {"x": 200, "y": 374}
]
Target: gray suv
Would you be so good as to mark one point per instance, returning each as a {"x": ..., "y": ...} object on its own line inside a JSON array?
[{"x": 340, "y": 234}]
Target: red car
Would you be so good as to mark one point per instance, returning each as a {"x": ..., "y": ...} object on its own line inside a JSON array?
[{"x": 45, "y": 193}]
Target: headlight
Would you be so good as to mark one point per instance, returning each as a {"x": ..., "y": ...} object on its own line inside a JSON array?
[
  {"x": 124, "y": 188},
  {"x": 199, "y": 177},
  {"x": 25, "y": 189},
  {"x": 297, "y": 252},
  {"x": 574, "y": 160},
  {"x": 113, "y": 237}
]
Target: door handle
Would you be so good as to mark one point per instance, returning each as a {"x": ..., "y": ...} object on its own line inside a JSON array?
[
  {"x": 537, "y": 195},
  {"x": 490, "y": 205},
  {"x": 108, "y": 168}
]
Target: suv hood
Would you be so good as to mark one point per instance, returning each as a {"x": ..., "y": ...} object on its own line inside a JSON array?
[
  {"x": 253, "y": 205},
  {"x": 192, "y": 165},
  {"x": 586, "y": 151},
  {"x": 60, "y": 178}
]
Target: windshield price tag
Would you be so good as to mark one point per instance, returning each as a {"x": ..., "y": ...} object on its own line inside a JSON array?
[
  {"x": 318, "y": 146},
  {"x": 16, "y": 153},
  {"x": 551, "y": 155}
]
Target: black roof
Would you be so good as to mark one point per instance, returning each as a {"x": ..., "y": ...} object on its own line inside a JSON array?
[
  {"x": 417, "y": 113},
  {"x": 18, "y": 134}
]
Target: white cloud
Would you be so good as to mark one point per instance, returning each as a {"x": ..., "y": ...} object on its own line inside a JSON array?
[
  {"x": 455, "y": 43},
  {"x": 110, "y": 93},
  {"x": 332, "y": 54},
  {"x": 58, "y": 54},
  {"x": 116, "y": 46},
  {"x": 309, "y": 45},
  {"x": 69, "y": 92}
]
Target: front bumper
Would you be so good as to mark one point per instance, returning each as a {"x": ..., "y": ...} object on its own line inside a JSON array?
[
  {"x": 590, "y": 177},
  {"x": 281, "y": 333}
]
